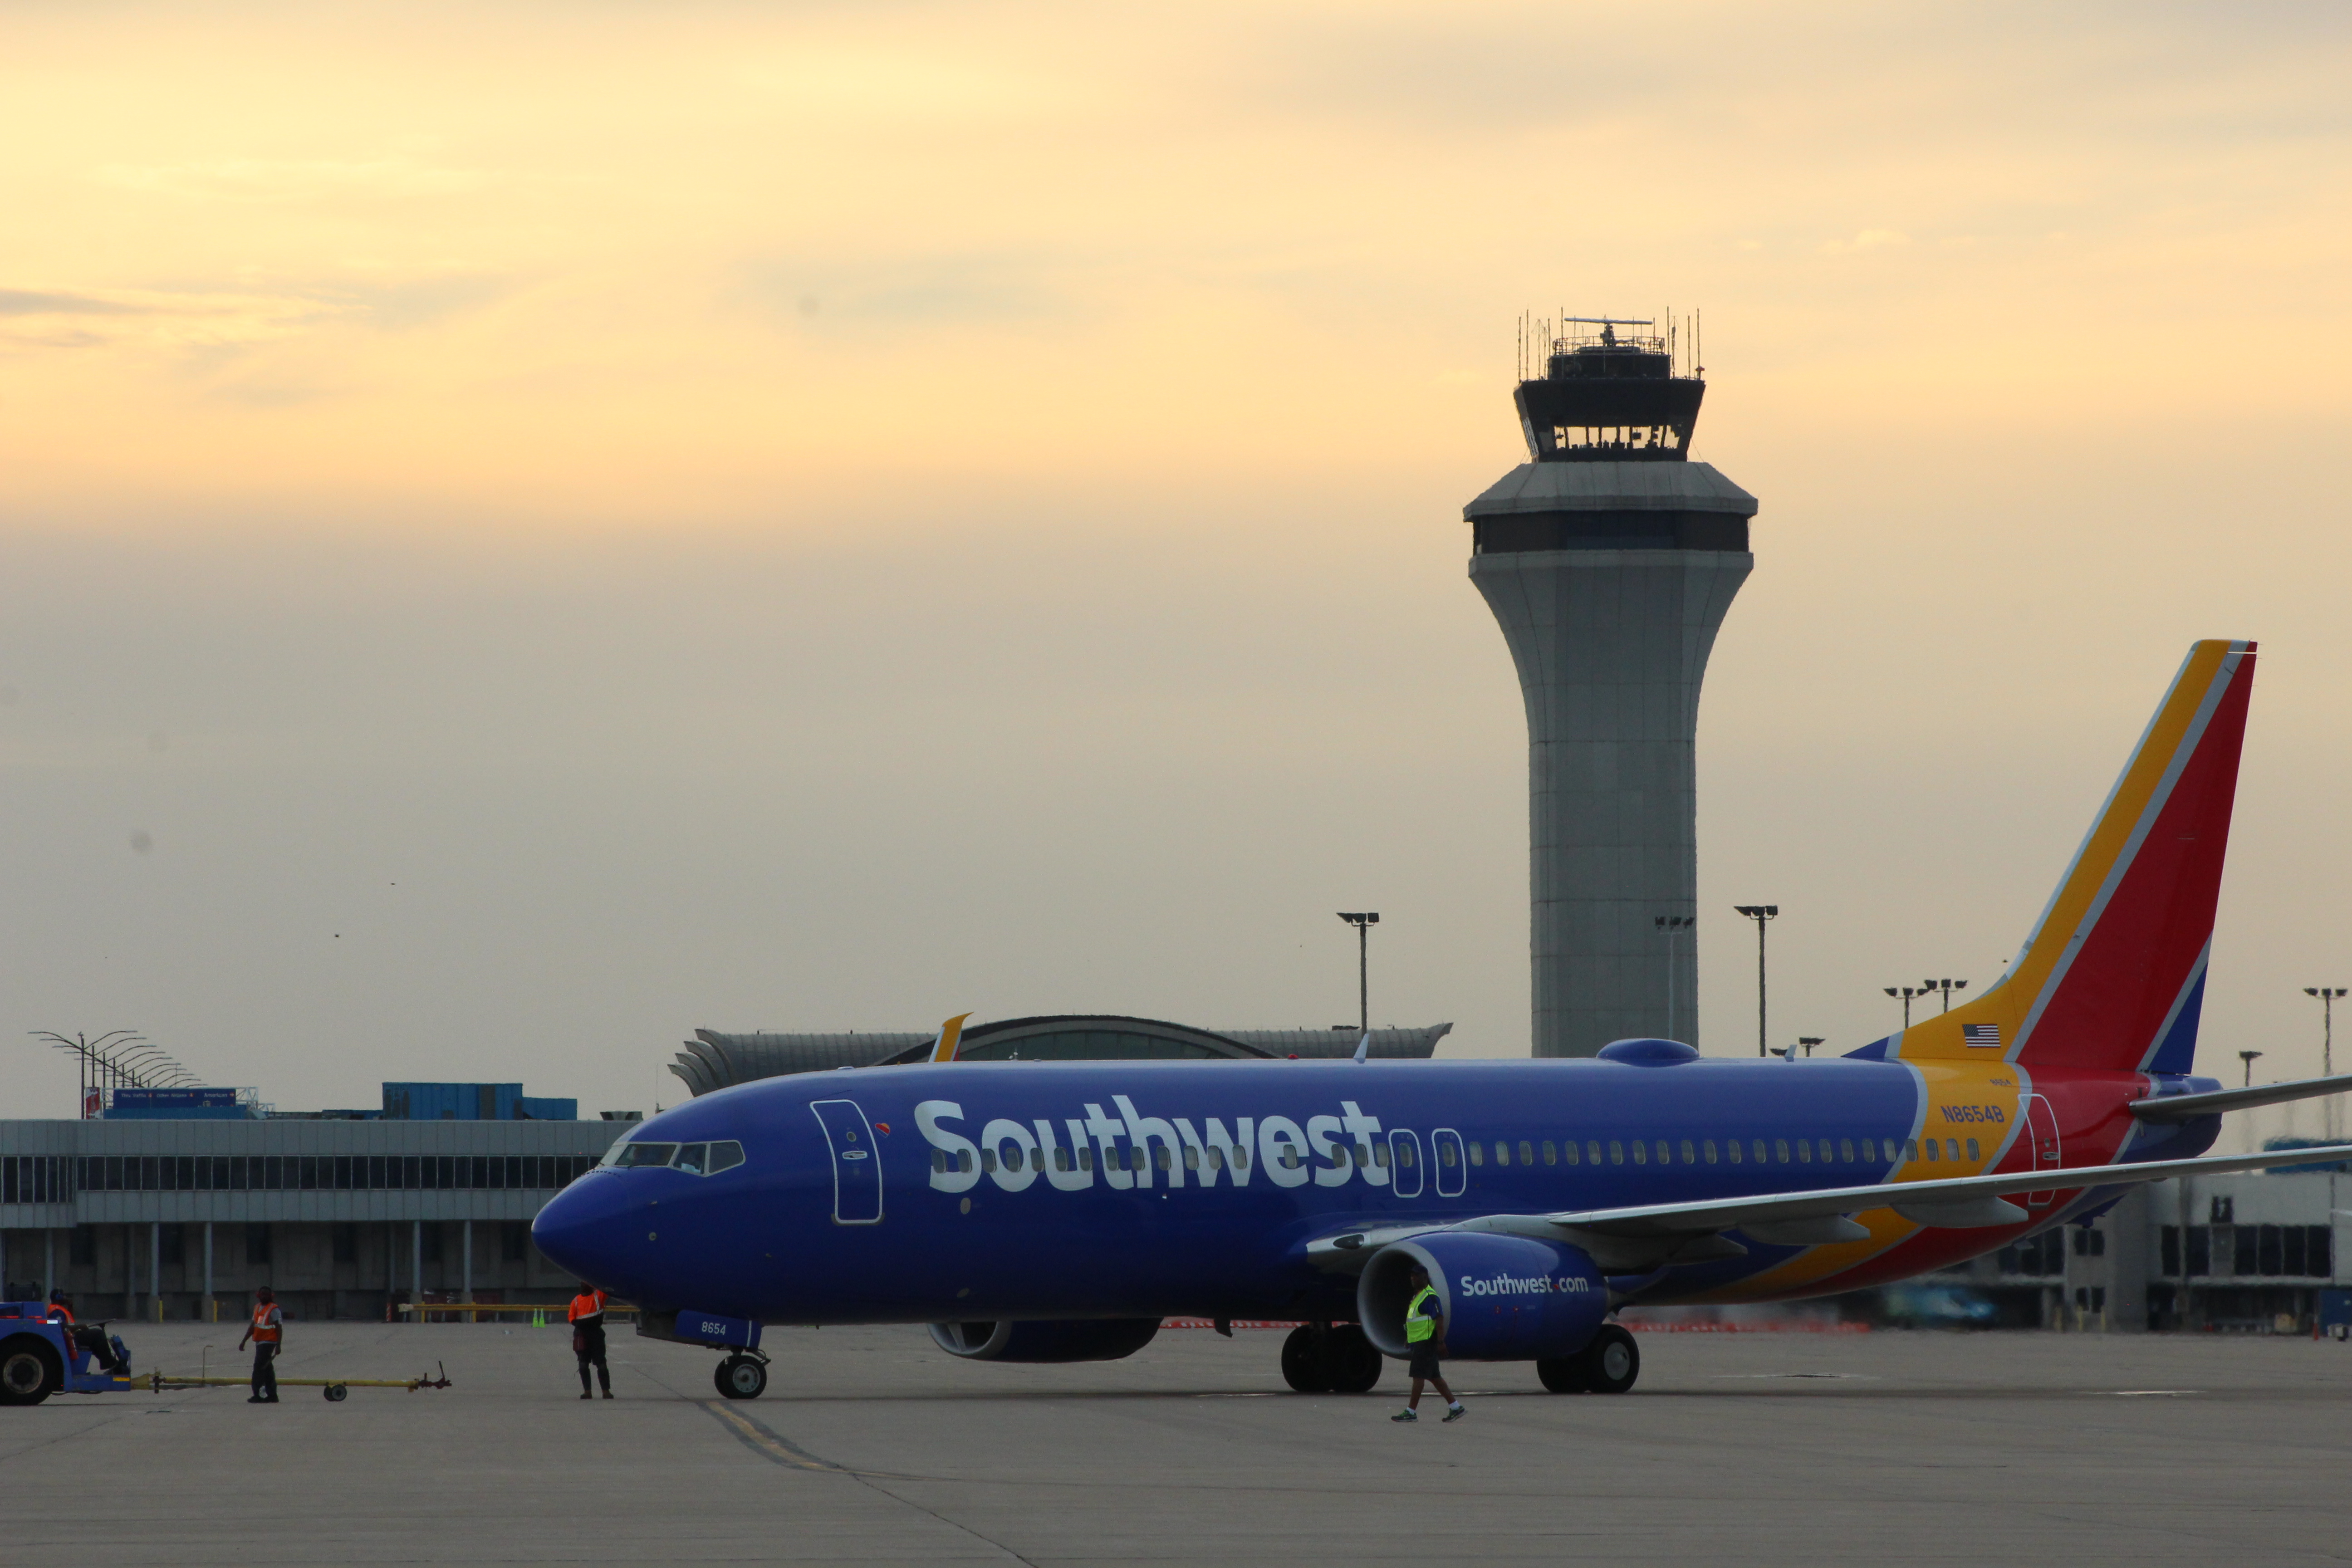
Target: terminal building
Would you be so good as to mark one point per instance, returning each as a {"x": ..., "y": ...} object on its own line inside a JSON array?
[
  {"x": 156, "y": 1210},
  {"x": 2259, "y": 1253}
]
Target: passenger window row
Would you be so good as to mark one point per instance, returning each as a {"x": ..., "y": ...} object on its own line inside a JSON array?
[{"x": 1700, "y": 1152}]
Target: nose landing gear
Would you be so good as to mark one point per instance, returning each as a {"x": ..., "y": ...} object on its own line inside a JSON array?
[{"x": 744, "y": 1375}]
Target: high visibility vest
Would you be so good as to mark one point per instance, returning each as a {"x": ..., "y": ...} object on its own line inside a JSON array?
[
  {"x": 60, "y": 1314},
  {"x": 1419, "y": 1327},
  {"x": 265, "y": 1332},
  {"x": 588, "y": 1307}
]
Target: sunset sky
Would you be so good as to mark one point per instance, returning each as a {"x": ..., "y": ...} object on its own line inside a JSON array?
[{"x": 530, "y": 529}]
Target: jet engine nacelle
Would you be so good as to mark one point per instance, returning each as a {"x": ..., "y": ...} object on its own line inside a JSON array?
[
  {"x": 1077, "y": 1339},
  {"x": 1505, "y": 1298}
]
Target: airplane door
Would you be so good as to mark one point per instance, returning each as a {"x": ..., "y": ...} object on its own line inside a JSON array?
[
  {"x": 1404, "y": 1163},
  {"x": 856, "y": 1163},
  {"x": 2042, "y": 1127},
  {"x": 1453, "y": 1170}
]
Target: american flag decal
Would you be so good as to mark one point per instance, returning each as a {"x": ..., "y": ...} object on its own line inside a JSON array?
[{"x": 1980, "y": 1035}]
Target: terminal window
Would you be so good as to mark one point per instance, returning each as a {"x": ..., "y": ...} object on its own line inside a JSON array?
[
  {"x": 2044, "y": 1254},
  {"x": 53, "y": 1175},
  {"x": 2295, "y": 1251}
]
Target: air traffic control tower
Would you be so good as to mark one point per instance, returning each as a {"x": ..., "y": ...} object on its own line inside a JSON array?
[{"x": 1609, "y": 558}]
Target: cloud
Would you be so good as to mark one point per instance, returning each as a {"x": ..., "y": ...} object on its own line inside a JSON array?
[
  {"x": 211, "y": 319},
  {"x": 402, "y": 306},
  {"x": 29, "y": 302},
  {"x": 181, "y": 319}
]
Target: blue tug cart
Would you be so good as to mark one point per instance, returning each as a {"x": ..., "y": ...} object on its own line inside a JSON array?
[{"x": 38, "y": 1358}]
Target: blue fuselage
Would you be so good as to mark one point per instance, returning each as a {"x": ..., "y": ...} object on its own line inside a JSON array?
[{"x": 1069, "y": 1190}]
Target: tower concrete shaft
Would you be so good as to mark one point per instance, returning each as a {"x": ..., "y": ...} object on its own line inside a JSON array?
[{"x": 1610, "y": 560}]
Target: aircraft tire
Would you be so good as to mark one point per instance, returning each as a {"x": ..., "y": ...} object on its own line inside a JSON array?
[
  {"x": 28, "y": 1372},
  {"x": 1612, "y": 1362},
  {"x": 742, "y": 1377},
  {"x": 1349, "y": 1361},
  {"x": 1303, "y": 1365},
  {"x": 1564, "y": 1374}
]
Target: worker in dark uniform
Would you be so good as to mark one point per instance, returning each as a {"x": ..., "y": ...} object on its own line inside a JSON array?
[
  {"x": 267, "y": 1333},
  {"x": 588, "y": 1338},
  {"x": 1425, "y": 1339}
]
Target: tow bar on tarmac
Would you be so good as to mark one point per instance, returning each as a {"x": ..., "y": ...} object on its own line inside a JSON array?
[{"x": 336, "y": 1388}]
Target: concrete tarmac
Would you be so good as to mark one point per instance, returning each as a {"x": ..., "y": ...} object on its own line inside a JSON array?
[{"x": 872, "y": 1447}]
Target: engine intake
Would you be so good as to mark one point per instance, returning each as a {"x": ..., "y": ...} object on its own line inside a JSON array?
[
  {"x": 1080, "y": 1339},
  {"x": 1505, "y": 1298}
]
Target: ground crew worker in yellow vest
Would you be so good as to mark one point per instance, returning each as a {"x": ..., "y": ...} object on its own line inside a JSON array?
[
  {"x": 268, "y": 1331},
  {"x": 1424, "y": 1340},
  {"x": 588, "y": 1338}
]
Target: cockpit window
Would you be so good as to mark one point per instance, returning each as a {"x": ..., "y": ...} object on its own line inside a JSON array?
[{"x": 693, "y": 1159}]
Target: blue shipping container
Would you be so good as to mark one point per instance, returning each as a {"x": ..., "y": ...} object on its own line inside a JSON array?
[{"x": 472, "y": 1102}]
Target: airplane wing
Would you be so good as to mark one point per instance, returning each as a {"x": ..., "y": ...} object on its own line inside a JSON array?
[
  {"x": 1644, "y": 1234},
  {"x": 2182, "y": 1107},
  {"x": 1961, "y": 1195}
]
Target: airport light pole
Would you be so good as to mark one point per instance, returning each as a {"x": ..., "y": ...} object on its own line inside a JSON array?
[
  {"x": 94, "y": 1061},
  {"x": 1760, "y": 914},
  {"x": 1670, "y": 927},
  {"x": 1945, "y": 986},
  {"x": 1364, "y": 922},
  {"x": 2247, "y": 1058},
  {"x": 1808, "y": 1042},
  {"x": 2328, "y": 995},
  {"x": 1906, "y": 993}
]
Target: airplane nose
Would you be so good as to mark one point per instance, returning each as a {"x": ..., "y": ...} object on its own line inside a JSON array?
[{"x": 579, "y": 1230}]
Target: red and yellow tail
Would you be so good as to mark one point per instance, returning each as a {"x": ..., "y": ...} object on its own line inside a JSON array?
[{"x": 2113, "y": 974}]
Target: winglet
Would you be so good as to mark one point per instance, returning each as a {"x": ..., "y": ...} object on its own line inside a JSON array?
[
  {"x": 951, "y": 1034},
  {"x": 1364, "y": 1046}
]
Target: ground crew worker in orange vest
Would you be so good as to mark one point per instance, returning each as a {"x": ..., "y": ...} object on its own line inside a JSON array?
[
  {"x": 268, "y": 1331},
  {"x": 588, "y": 1338}
]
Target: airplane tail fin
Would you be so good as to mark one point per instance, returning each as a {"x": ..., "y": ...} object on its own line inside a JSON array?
[
  {"x": 2113, "y": 974},
  {"x": 944, "y": 1050}
]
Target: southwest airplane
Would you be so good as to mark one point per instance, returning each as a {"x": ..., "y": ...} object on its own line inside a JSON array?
[{"x": 1056, "y": 1212}]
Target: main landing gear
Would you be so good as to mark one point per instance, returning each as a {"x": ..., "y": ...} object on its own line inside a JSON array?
[
  {"x": 744, "y": 1375},
  {"x": 1608, "y": 1365},
  {"x": 1330, "y": 1358}
]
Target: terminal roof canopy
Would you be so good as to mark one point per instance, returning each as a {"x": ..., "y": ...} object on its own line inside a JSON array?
[{"x": 715, "y": 1060}]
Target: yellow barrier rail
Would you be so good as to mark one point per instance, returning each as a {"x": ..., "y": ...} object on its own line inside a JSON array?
[{"x": 540, "y": 1314}]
